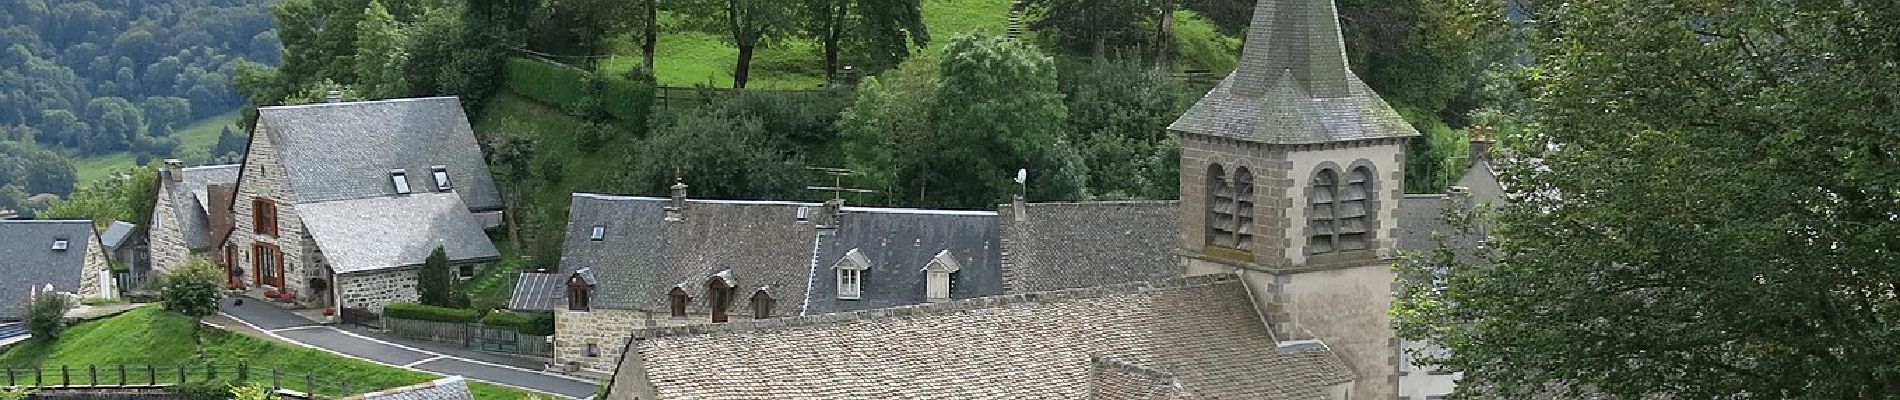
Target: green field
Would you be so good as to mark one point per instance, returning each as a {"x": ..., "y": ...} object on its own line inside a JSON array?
[
  {"x": 196, "y": 138},
  {"x": 151, "y": 336}
]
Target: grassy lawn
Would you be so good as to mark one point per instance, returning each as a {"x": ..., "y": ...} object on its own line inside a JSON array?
[
  {"x": 151, "y": 336},
  {"x": 198, "y": 137},
  {"x": 597, "y": 169}
]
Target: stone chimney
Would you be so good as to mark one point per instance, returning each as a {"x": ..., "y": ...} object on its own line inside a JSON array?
[
  {"x": 831, "y": 215},
  {"x": 333, "y": 96},
  {"x": 1019, "y": 207},
  {"x": 1481, "y": 142},
  {"x": 175, "y": 169},
  {"x": 676, "y": 207}
]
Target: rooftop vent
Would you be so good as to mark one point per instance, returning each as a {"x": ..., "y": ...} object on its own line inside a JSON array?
[
  {"x": 59, "y": 244},
  {"x": 400, "y": 178}
]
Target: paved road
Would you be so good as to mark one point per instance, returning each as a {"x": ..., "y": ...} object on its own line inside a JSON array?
[{"x": 285, "y": 326}]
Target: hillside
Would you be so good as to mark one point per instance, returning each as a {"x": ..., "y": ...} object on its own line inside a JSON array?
[
  {"x": 151, "y": 336},
  {"x": 194, "y": 144}
]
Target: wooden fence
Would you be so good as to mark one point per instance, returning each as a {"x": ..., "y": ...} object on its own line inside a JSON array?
[
  {"x": 471, "y": 336},
  {"x": 132, "y": 376}
]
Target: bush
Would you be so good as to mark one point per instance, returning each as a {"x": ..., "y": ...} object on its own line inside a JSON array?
[
  {"x": 47, "y": 317},
  {"x": 422, "y": 312},
  {"x": 532, "y": 323},
  {"x": 216, "y": 389},
  {"x": 193, "y": 288},
  {"x": 566, "y": 88}
]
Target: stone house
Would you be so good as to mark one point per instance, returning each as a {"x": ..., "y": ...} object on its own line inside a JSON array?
[
  {"x": 46, "y": 256},
  {"x": 190, "y": 214},
  {"x": 339, "y": 203}
]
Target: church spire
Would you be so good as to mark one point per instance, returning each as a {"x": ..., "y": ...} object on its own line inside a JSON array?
[{"x": 1300, "y": 37}]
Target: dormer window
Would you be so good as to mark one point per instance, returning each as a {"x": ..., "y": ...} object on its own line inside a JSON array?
[
  {"x": 762, "y": 304},
  {"x": 400, "y": 179},
  {"x": 851, "y": 271},
  {"x": 940, "y": 275},
  {"x": 579, "y": 291},
  {"x": 60, "y": 244},
  {"x": 677, "y": 299},
  {"x": 721, "y": 289},
  {"x": 599, "y": 233},
  {"x": 441, "y": 174}
]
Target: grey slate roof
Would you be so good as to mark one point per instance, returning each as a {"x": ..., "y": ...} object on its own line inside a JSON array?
[
  {"x": 539, "y": 291},
  {"x": 344, "y": 151},
  {"x": 643, "y": 257},
  {"x": 1201, "y": 330},
  {"x": 450, "y": 388},
  {"x": 27, "y": 260},
  {"x": 116, "y": 234},
  {"x": 191, "y": 201},
  {"x": 1292, "y": 85},
  {"x": 898, "y": 243},
  {"x": 1071, "y": 245},
  {"x": 387, "y": 232}
]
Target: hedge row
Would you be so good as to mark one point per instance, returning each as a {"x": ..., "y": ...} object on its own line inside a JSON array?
[
  {"x": 565, "y": 87},
  {"x": 430, "y": 313},
  {"x": 536, "y": 323}
]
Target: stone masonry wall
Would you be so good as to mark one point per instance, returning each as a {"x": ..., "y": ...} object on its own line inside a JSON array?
[
  {"x": 373, "y": 290},
  {"x": 606, "y": 328},
  {"x": 263, "y": 177},
  {"x": 1269, "y": 167},
  {"x": 94, "y": 283},
  {"x": 167, "y": 241}
]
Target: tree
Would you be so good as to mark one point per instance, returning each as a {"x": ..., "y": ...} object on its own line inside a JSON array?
[
  {"x": 124, "y": 195},
  {"x": 580, "y": 28},
  {"x": 1119, "y": 116},
  {"x": 999, "y": 110},
  {"x": 882, "y": 31},
  {"x": 748, "y": 23},
  {"x": 1096, "y": 26},
  {"x": 382, "y": 54},
  {"x": 192, "y": 289},
  {"x": 888, "y": 131},
  {"x": 435, "y": 282},
  {"x": 1703, "y": 208},
  {"x": 721, "y": 153},
  {"x": 46, "y": 316}
]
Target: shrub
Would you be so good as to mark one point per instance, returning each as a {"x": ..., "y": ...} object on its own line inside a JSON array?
[
  {"x": 216, "y": 389},
  {"x": 192, "y": 289},
  {"x": 422, "y": 312},
  {"x": 251, "y": 392},
  {"x": 529, "y": 323},
  {"x": 47, "y": 317},
  {"x": 567, "y": 88}
]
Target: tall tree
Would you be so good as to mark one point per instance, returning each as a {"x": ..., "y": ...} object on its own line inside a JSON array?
[
  {"x": 1704, "y": 209},
  {"x": 748, "y": 23},
  {"x": 382, "y": 54},
  {"x": 882, "y": 32},
  {"x": 435, "y": 282},
  {"x": 1000, "y": 111},
  {"x": 1096, "y": 26}
]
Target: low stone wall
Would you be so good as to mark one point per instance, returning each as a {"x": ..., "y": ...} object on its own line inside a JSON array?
[
  {"x": 373, "y": 290},
  {"x": 103, "y": 394},
  {"x": 458, "y": 334}
]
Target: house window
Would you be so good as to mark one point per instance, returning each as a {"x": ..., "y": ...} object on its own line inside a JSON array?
[
  {"x": 851, "y": 271},
  {"x": 268, "y": 262},
  {"x": 59, "y": 244},
  {"x": 1340, "y": 211},
  {"x": 593, "y": 350},
  {"x": 400, "y": 179},
  {"x": 466, "y": 270},
  {"x": 441, "y": 175},
  {"x": 762, "y": 304},
  {"x": 600, "y": 232},
  {"x": 678, "y": 298},
  {"x": 579, "y": 293},
  {"x": 940, "y": 275},
  {"x": 721, "y": 292},
  {"x": 264, "y": 216}
]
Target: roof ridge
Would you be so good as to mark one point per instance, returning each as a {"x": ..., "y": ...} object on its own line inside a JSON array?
[
  {"x": 1097, "y": 203},
  {"x": 358, "y": 103},
  {"x": 1104, "y": 362},
  {"x": 928, "y": 309},
  {"x": 217, "y": 166},
  {"x": 44, "y": 221}
]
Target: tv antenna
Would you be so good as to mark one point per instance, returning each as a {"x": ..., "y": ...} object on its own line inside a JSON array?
[{"x": 837, "y": 188}]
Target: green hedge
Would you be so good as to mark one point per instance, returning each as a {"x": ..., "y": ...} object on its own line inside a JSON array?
[
  {"x": 530, "y": 323},
  {"x": 430, "y": 313},
  {"x": 565, "y": 87}
]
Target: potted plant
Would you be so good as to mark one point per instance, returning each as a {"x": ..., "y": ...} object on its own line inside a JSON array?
[{"x": 285, "y": 296}]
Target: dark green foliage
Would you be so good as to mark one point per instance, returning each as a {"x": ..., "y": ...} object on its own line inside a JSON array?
[
  {"x": 1095, "y": 27},
  {"x": 528, "y": 323},
  {"x": 999, "y": 110},
  {"x": 34, "y": 170},
  {"x": 230, "y": 147},
  {"x": 423, "y": 312},
  {"x": 436, "y": 282},
  {"x": 879, "y": 34},
  {"x": 125, "y": 195},
  {"x": 1119, "y": 116},
  {"x": 192, "y": 289},
  {"x": 568, "y": 88},
  {"x": 46, "y": 316},
  {"x": 209, "y": 389},
  {"x": 722, "y": 152}
]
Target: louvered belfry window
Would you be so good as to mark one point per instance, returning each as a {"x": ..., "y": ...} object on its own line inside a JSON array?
[
  {"x": 1340, "y": 211},
  {"x": 1220, "y": 207}
]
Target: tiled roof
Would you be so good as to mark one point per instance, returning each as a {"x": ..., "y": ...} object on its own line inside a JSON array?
[
  {"x": 116, "y": 233},
  {"x": 1203, "y": 330},
  {"x": 191, "y": 201},
  {"x": 538, "y": 291},
  {"x": 1292, "y": 85},
  {"x": 897, "y": 244},
  {"x": 642, "y": 257},
  {"x": 345, "y": 151},
  {"x": 1070, "y": 245},
  {"x": 450, "y": 388},
  {"x": 28, "y": 261},
  {"x": 1115, "y": 380},
  {"x": 387, "y": 232}
]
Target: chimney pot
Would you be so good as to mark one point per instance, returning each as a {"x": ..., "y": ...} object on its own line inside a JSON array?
[
  {"x": 1019, "y": 207},
  {"x": 832, "y": 214},
  {"x": 676, "y": 210},
  {"x": 175, "y": 169}
]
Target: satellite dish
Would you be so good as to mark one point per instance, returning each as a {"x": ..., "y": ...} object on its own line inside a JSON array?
[{"x": 1022, "y": 175}]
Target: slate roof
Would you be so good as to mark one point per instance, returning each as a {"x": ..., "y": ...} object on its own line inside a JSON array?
[
  {"x": 1292, "y": 85},
  {"x": 898, "y": 244},
  {"x": 643, "y": 257},
  {"x": 539, "y": 291},
  {"x": 1071, "y": 245},
  {"x": 116, "y": 234},
  {"x": 450, "y": 388},
  {"x": 191, "y": 200},
  {"x": 387, "y": 232},
  {"x": 346, "y": 151},
  {"x": 1202, "y": 330},
  {"x": 27, "y": 260}
]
